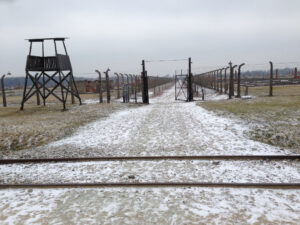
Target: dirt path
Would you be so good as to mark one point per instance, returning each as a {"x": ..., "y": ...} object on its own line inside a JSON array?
[{"x": 165, "y": 127}]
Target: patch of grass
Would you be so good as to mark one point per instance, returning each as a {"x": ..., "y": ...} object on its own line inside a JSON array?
[
  {"x": 273, "y": 120},
  {"x": 39, "y": 125}
]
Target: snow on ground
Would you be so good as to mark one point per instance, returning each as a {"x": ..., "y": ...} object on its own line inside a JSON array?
[
  {"x": 164, "y": 127},
  {"x": 161, "y": 171},
  {"x": 150, "y": 206},
  {"x": 91, "y": 101}
]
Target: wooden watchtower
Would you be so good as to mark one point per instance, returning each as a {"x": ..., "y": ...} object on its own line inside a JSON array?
[{"x": 54, "y": 74}]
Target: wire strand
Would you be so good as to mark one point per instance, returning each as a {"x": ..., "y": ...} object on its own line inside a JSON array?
[{"x": 166, "y": 60}]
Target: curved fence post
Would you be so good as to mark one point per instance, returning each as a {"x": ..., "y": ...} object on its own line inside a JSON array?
[
  {"x": 231, "y": 80},
  {"x": 107, "y": 85},
  {"x": 239, "y": 81},
  {"x": 100, "y": 86}
]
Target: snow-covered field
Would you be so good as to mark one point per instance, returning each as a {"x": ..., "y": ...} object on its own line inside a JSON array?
[{"x": 164, "y": 127}]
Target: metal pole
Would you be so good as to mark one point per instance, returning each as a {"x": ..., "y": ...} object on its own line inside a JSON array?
[{"x": 37, "y": 87}]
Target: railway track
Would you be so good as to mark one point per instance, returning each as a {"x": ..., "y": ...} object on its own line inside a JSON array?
[
  {"x": 151, "y": 184},
  {"x": 150, "y": 158},
  {"x": 155, "y": 184}
]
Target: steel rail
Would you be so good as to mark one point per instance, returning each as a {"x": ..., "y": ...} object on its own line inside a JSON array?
[
  {"x": 154, "y": 184},
  {"x": 151, "y": 158}
]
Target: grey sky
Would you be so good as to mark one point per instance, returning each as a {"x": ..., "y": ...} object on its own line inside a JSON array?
[{"x": 119, "y": 34}]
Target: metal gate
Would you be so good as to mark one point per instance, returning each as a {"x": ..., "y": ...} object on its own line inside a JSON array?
[{"x": 181, "y": 87}]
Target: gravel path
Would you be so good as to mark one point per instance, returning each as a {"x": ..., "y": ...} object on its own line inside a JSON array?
[{"x": 164, "y": 127}]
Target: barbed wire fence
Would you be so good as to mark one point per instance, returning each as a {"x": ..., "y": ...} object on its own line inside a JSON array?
[{"x": 233, "y": 78}]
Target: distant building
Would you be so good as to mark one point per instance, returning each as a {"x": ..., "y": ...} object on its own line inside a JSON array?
[{"x": 86, "y": 86}]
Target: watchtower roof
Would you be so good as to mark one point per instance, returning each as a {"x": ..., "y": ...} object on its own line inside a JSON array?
[{"x": 44, "y": 39}]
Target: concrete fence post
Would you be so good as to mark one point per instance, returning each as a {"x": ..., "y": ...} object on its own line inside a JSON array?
[
  {"x": 239, "y": 81},
  {"x": 107, "y": 85},
  {"x": 271, "y": 79},
  {"x": 100, "y": 86},
  {"x": 221, "y": 80},
  {"x": 231, "y": 80},
  {"x": 225, "y": 80},
  {"x": 3, "y": 91}
]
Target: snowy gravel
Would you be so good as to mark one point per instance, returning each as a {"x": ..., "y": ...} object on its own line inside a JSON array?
[
  {"x": 164, "y": 127},
  {"x": 150, "y": 206},
  {"x": 161, "y": 171}
]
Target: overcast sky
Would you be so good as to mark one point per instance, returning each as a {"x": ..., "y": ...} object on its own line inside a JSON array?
[{"x": 119, "y": 34}]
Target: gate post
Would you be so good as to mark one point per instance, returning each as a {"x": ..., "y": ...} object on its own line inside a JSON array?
[
  {"x": 145, "y": 84},
  {"x": 190, "y": 80}
]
